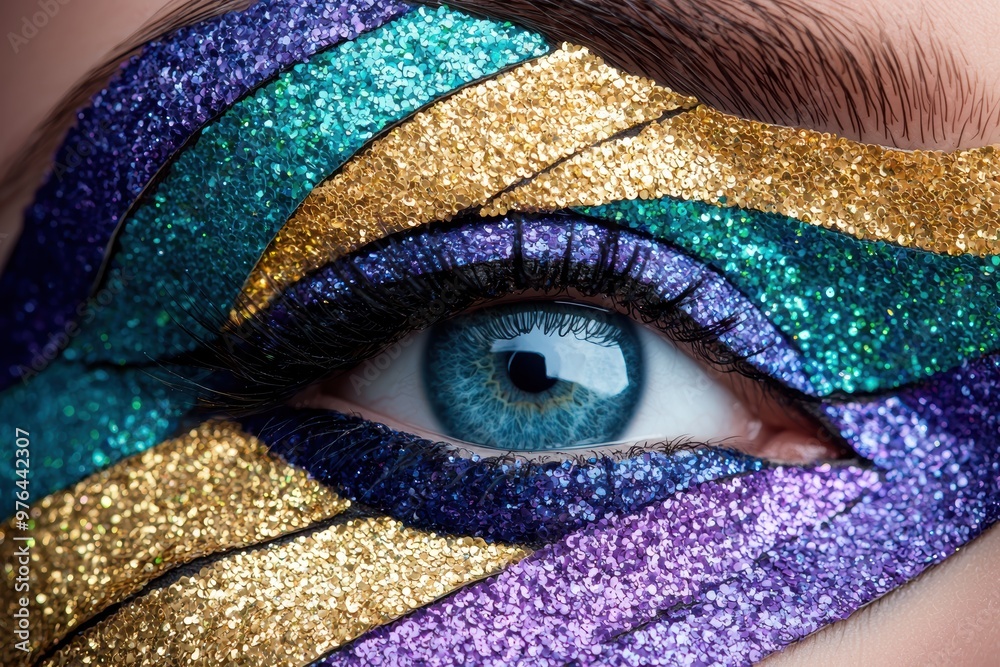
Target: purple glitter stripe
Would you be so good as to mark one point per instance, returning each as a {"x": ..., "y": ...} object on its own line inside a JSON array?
[
  {"x": 159, "y": 100},
  {"x": 570, "y": 599},
  {"x": 940, "y": 488},
  {"x": 547, "y": 239}
]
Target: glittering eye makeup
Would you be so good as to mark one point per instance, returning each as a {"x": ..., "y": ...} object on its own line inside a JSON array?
[
  {"x": 634, "y": 401},
  {"x": 433, "y": 340}
]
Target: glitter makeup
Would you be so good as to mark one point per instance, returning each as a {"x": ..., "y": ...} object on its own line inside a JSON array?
[
  {"x": 415, "y": 480},
  {"x": 682, "y": 583},
  {"x": 865, "y": 316},
  {"x": 156, "y": 103},
  {"x": 931, "y": 200},
  {"x": 93, "y": 417},
  {"x": 432, "y": 166},
  {"x": 321, "y": 589},
  {"x": 191, "y": 243},
  {"x": 367, "y": 300},
  {"x": 422, "y": 162},
  {"x": 213, "y": 489}
]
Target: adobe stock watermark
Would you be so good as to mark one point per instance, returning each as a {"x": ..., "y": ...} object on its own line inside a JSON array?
[
  {"x": 21, "y": 564},
  {"x": 86, "y": 313},
  {"x": 31, "y": 25}
]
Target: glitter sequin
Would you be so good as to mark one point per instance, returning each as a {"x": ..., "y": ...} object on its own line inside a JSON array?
[
  {"x": 287, "y": 604},
  {"x": 429, "y": 486},
  {"x": 195, "y": 239},
  {"x": 942, "y": 202},
  {"x": 99, "y": 542},
  {"x": 155, "y": 104},
  {"x": 458, "y": 154},
  {"x": 568, "y": 601},
  {"x": 83, "y": 419},
  {"x": 865, "y": 316}
]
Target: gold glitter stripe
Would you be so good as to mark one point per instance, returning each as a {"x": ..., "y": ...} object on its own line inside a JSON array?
[
  {"x": 96, "y": 544},
  {"x": 943, "y": 202},
  {"x": 288, "y": 604},
  {"x": 459, "y": 153}
]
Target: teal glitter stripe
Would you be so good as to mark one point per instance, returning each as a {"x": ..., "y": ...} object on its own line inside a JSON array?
[
  {"x": 194, "y": 242},
  {"x": 867, "y": 316},
  {"x": 81, "y": 420}
]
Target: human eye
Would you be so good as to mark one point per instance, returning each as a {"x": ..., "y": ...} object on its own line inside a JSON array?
[
  {"x": 540, "y": 373},
  {"x": 355, "y": 355}
]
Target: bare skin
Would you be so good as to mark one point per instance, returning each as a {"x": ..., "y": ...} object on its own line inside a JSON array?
[{"x": 949, "y": 616}]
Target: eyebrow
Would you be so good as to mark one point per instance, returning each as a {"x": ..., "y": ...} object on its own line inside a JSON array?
[{"x": 780, "y": 61}]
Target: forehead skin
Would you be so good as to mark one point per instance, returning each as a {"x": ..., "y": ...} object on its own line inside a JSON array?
[{"x": 952, "y": 614}]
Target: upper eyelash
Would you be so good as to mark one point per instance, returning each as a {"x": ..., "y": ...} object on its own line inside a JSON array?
[{"x": 260, "y": 364}]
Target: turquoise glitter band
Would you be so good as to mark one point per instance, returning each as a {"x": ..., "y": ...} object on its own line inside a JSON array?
[
  {"x": 83, "y": 419},
  {"x": 194, "y": 241},
  {"x": 867, "y": 316}
]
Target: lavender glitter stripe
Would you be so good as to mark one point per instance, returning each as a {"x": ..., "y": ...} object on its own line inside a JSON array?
[
  {"x": 940, "y": 488},
  {"x": 566, "y": 601},
  {"x": 549, "y": 240},
  {"x": 943, "y": 489},
  {"x": 132, "y": 128}
]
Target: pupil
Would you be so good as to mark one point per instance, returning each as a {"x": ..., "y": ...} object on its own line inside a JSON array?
[{"x": 527, "y": 372}]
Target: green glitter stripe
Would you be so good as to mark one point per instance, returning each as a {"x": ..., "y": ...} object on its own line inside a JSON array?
[
  {"x": 81, "y": 420},
  {"x": 867, "y": 316},
  {"x": 194, "y": 242}
]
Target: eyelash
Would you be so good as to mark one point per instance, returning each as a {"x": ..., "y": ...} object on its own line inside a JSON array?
[{"x": 339, "y": 317}]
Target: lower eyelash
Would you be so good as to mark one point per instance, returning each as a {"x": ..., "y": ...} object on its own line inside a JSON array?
[
  {"x": 503, "y": 498},
  {"x": 356, "y": 306}
]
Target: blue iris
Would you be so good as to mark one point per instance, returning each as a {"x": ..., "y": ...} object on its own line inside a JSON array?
[{"x": 534, "y": 376}]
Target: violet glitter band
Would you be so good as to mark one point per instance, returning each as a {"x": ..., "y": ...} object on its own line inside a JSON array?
[
  {"x": 158, "y": 101},
  {"x": 939, "y": 488},
  {"x": 551, "y": 240}
]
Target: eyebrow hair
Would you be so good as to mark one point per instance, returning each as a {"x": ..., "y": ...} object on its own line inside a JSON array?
[{"x": 779, "y": 61}]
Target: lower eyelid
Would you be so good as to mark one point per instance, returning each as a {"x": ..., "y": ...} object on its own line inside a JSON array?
[{"x": 497, "y": 498}]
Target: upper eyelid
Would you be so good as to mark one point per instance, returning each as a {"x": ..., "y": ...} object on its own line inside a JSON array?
[{"x": 396, "y": 279}]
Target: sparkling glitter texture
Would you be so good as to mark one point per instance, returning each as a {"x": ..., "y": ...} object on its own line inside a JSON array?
[
  {"x": 943, "y": 202},
  {"x": 415, "y": 481},
  {"x": 458, "y": 154},
  {"x": 562, "y": 252},
  {"x": 866, "y": 316},
  {"x": 419, "y": 482},
  {"x": 192, "y": 243},
  {"x": 95, "y": 544},
  {"x": 132, "y": 128},
  {"x": 565, "y": 602},
  {"x": 82, "y": 419},
  {"x": 732, "y": 571},
  {"x": 287, "y": 604}
]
